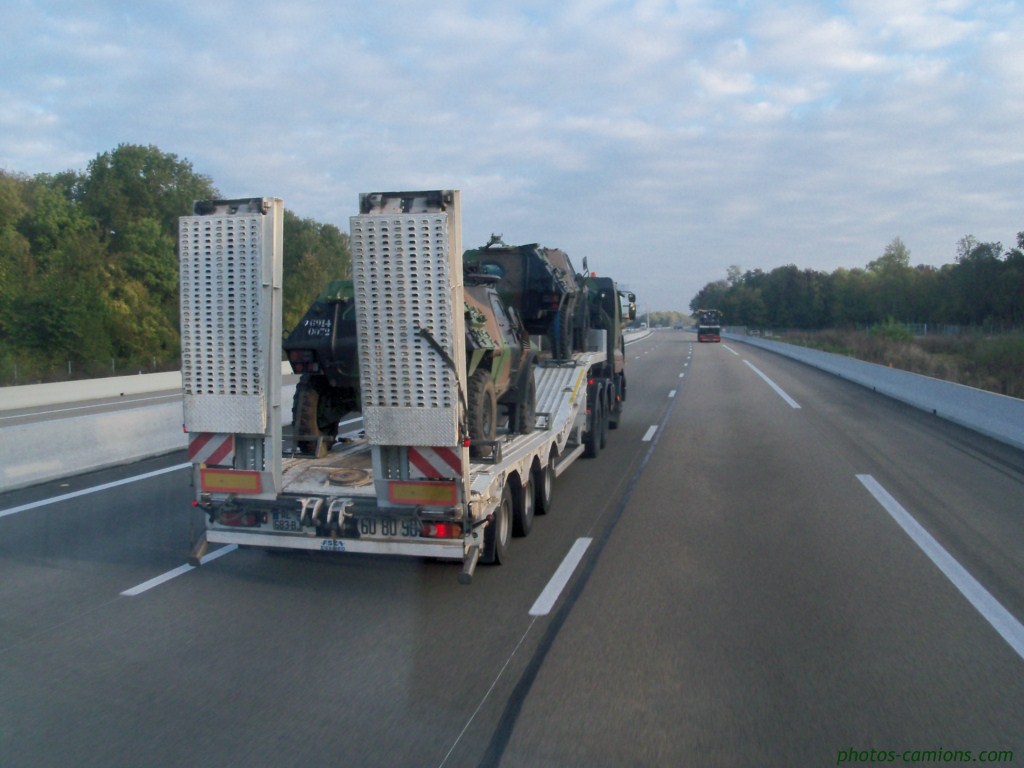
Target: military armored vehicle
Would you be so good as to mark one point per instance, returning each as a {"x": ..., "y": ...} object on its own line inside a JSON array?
[
  {"x": 606, "y": 314},
  {"x": 499, "y": 365},
  {"x": 322, "y": 350},
  {"x": 543, "y": 287}
]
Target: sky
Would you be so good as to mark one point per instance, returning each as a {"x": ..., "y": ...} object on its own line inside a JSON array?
[{"x": 663, "y": 141}]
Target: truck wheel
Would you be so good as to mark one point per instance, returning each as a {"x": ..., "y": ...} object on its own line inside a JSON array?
[
  {"x": 542, "y": 484},
  {"x": 522, "y": 510},
  {"x": 605, "y": 416},
  {"x": 619, "y": 397},
  {"x": 496, "y": 535},
  {"x": 592, "y": 438},
  {"x": 526, "y": 409},
  {"x": 310, "y": 417},
  {"x": 483, "y": 412}
]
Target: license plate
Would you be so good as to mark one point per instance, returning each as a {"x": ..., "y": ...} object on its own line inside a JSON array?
[
  {"x": 388, "y": 527},
  {"x": 286, "y": 523}
]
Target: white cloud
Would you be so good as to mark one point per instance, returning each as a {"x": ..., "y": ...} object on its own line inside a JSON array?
[{"x": 664, "y": 140}]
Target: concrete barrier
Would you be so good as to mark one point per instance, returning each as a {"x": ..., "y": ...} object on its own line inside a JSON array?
[
  {"x": 36, "y": 453},
  {"x": 40, "y": 452},
  {"x": 997, "y": 416},
  {"x": 44, "y": 451}
]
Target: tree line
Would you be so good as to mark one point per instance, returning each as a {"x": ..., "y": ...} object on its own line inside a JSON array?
[
  {"x": 89, "y": 265},
  {"x": 983, "y": 287}
]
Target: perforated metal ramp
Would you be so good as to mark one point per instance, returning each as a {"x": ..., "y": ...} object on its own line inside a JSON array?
[{"x": 222, "y": 323}]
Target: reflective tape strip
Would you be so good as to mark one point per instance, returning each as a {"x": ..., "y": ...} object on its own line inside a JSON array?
[
  {"x": 211, "y": 448},
  {"x": 434, "y": 463},
  {"x": 425, "y": 492},
  {"x": 230, "y": 481}
]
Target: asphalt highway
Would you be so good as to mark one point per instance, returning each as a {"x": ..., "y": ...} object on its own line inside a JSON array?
[{"x": 766, "y": 566}]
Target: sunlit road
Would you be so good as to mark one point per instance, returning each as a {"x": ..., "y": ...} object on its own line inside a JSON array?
[{"x": 747, "y": 596}]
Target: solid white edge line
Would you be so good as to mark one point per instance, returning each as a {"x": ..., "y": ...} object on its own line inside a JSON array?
[
  {"x": 156, "y": 581},
  {"x": 649, "y": 435},
  {"x": 778, "y": 390},
  {"x": 210, "y": 556},
  {"x": 87, "y": 491},
  {"x": 546, "y": 601},
  {"x": 991, "y": 609}
]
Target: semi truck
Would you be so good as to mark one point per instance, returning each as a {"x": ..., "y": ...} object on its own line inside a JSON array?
[
  {"x": 709, "y": 325},
  {"x": 408, "y": 483}
]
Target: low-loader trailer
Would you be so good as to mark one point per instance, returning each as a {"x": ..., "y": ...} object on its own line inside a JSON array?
[{"x": 407, "y": 483}]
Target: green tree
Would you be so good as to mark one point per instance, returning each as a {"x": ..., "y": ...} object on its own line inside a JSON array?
[
  {"x": 893, "y": 275},
  {"x": 64, "y": 315},
  {"x": 147, "y": 256},
  {"x": 15, "y": 253},
  {"x": 136, "y": 194},
  {"x": 977, "y": 275},
  {"x": 134, "y": 182},
  {"x": 711, "y": 296},
  {"x": 1012, "y": 284},
  {"x": 314, "y": 254}
]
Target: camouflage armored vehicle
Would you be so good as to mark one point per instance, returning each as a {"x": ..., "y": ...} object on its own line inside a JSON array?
[
  {"x": 499, "y": 365},
  {"x": 322, "y": 350},
  {"x": 543, "y": 286},
  {"x": 606, "y": 313}
]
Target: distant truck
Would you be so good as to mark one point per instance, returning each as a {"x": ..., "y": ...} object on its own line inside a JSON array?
[
  {"x": 709, "y": 325},
  {"x": 409, "y": 483}
]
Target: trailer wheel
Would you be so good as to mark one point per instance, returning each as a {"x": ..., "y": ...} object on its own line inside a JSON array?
[
  {"x": 592, "y": 437},
  {"x": 605, "y": 416},
  {"x": 526, "y": 408},
  {"x": 522, "y": 510},
  {"x": 496, "y": 535},
  {"x": 483, "y": 411},
  {"x": 542, "y": 485}
]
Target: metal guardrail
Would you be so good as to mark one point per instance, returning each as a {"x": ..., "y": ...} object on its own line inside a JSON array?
[
  {"x": 997, "y": 416},
  {"x": 92, "y": 441}
]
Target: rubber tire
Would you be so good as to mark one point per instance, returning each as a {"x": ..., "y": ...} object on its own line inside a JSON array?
[
  {"x": 482, "y": 421},
  {"x": 620, "y": 399},
  {"x": 498, "y": 532},
  {"x": 522, "y": 511},
  {"x": 561, "y": 331},
  {"x": 526, "y": 409},
  {"x": 542, "y": 484},
  {"x": 308, "y": 417},
  {"x": 604, "y": 428},
  {"x": 592, "y": 438}
]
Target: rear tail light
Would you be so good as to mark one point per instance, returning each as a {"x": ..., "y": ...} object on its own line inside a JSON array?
[
  {"x": 241, "y": 519},
  {"x": 303, "y": 361},
  {"x": 441, "y": 530}
]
